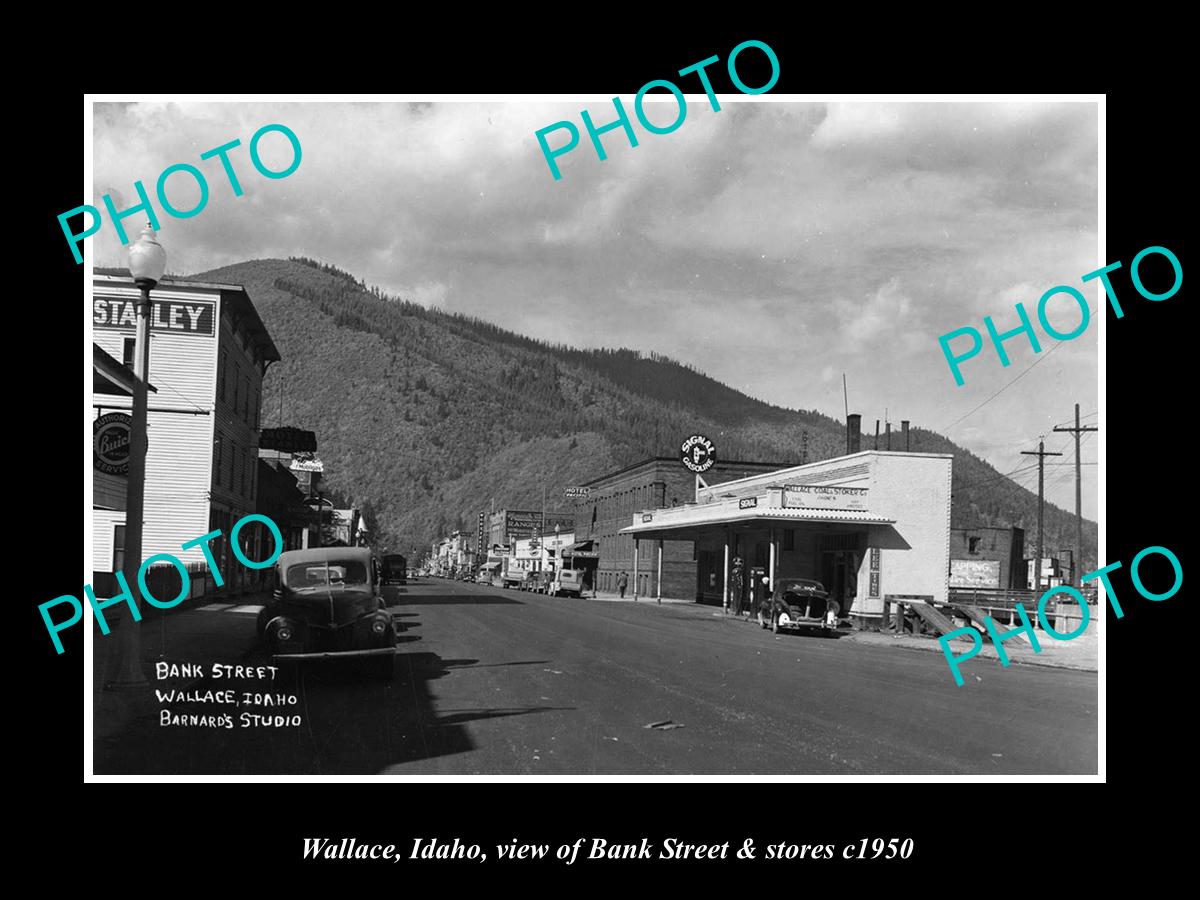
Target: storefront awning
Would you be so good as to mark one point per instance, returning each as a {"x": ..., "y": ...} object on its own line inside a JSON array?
[
  {"x": 682, "y": 523},
  {"x": 490, "y": 567}
]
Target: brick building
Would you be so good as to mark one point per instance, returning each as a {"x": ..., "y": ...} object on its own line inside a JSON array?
[
  {"x": 988, "y": 557},
  {"x": 655, "y": 483}
]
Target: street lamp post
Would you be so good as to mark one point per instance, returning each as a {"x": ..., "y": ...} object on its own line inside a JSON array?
[{"x": 147, "y": 263}]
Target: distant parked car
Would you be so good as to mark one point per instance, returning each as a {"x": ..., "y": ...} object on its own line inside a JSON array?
[
  {"x": 798, "y": 603},
  {"x": 326, "y": 604},
  {"x": 569, "y": 582}
]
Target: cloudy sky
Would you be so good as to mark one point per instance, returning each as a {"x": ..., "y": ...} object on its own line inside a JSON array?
[{"x": 773, "y": 245}]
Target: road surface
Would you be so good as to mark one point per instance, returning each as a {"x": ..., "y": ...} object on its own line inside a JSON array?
[{"x": 493, "y": 681}]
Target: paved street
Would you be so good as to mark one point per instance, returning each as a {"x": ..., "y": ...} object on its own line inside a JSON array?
[{"x": 490, "y": 681}]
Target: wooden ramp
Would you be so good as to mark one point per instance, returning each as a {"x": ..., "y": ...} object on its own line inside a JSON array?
[
  {"x": 976, "y": 615},
  {"x": 932, "y": 617}
]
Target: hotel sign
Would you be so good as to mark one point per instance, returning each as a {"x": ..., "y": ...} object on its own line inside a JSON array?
[
  {"x": 185, "y": 317},
  {"x": 811, "y": 496}
]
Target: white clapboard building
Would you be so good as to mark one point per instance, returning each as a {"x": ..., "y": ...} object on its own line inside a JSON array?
[{"x": 209, "y": 351}]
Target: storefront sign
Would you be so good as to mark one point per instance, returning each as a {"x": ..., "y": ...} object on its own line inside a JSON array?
[
  {"x": 307, "y": 465},
  {"x": 522, "y": 525},
  {"x": 811, "y": 496},
  {"x": 747, "y": 502},
  {"x": 647, "y": 517},
  {"x": 110, "y": 443},
  {"x": 288, "y": 440},
  {"x": 697, "y": 453},
  {"x": 575, "y": 493},
  {"x": 185, "y": 316},
  {"x": 875, "y": 572},
  {"x": 984, "y": 573}
]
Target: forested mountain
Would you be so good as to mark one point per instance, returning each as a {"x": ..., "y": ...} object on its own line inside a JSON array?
[{"x": 427, "y": 416}]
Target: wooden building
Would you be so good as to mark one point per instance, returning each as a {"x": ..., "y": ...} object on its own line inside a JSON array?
[{"x": 209, "y": 351}]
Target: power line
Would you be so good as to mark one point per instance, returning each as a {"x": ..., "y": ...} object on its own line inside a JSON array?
[
  {"x": 1027, "y": 370},
  {"x": 1040, "y": 359}
]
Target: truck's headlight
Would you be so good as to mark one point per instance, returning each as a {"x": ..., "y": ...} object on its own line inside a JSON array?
[
  {"x": 283, "y": 633},
  {"x": 379, "y": 626}
]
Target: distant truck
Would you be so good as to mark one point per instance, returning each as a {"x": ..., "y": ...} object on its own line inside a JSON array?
[
  {"x": 512, "y": 577},
  {"x": 395, "y": 569}
]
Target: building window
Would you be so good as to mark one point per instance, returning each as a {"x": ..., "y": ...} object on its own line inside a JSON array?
[
  {"x": 246, "y": 400},
  {"x": 973, "y": 545},
  {"x": 233, "y": 461},
  {"x": 254, "y": 411},
  {"x": 118, "y": 548},
  {"x": 219, "y": 468},
  {"x": 127, "y": 348},
  {"x": 789, "y": 539},
  {"x": 235, "y": 393}
]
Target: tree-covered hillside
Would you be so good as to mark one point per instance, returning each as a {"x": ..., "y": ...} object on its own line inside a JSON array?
[{"x": 430, "y": 416}]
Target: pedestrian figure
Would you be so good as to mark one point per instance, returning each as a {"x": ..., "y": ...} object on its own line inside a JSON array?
[
  {"x": 622, "y": 583},
  {"x": 735, "y": 586},
  {"x": 765, "y": 594}
]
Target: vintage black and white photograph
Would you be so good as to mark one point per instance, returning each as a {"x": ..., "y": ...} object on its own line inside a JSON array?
[{"x": 537, "y": 437}]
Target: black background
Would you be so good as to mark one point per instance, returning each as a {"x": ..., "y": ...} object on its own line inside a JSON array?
[{"x": 966, "y": 833}]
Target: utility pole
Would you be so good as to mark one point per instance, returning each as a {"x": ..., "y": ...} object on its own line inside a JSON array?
[
  {"x": 1078, "y": 431},
  {"x": 1041, "y": 454}
]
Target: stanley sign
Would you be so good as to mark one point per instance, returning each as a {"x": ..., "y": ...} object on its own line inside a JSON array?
[{"x": 189, "y": 317}]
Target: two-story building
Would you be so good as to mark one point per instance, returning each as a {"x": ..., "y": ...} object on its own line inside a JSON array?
[{"x": 209, "y": 351}]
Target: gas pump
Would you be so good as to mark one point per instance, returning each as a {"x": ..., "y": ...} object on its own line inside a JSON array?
[{"x": 757, "y": 588}]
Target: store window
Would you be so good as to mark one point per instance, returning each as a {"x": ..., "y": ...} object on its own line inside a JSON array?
[{"x": 118, "y": 548}]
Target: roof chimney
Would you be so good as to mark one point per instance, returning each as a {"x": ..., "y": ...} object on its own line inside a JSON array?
[{"x": 853, "y": 433}]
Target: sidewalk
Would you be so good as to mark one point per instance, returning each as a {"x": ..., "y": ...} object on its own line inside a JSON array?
[
  {"x": 612, "y": 596},
  {"x": 1080, "y": 653}
]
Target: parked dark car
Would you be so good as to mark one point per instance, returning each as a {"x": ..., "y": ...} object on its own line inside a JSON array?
[
  {"x": 798, "y": 603},
  {"x": 395, "y": 569},
  {"x": 326, "y": 604}
]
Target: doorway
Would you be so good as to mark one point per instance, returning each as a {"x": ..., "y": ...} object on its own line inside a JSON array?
[{"x": 839, "y": 575}]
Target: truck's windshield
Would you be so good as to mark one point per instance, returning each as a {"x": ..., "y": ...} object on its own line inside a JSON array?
[{"x": 331, "y": 573}]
